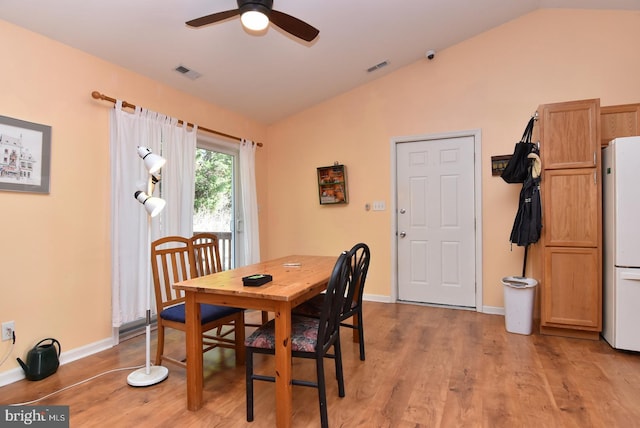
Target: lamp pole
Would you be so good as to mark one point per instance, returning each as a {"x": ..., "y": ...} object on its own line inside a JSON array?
[{"x": 148, "y": 375}]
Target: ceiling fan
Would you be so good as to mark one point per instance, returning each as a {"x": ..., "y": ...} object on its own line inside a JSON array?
[{"x": 256, "y": 15}]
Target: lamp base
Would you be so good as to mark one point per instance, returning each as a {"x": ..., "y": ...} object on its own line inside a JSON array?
[{"x": 140, "y": 377}]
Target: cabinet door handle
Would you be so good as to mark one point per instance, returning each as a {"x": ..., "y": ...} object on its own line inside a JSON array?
[
  {"x": 595, "y": 178},
  {"x": 594, "y": 158}
]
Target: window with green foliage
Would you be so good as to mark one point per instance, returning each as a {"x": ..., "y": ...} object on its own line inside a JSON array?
[{"x": 213, "y": 205}]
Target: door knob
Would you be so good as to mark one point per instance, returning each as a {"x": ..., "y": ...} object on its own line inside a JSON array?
[
  {"x": 402, "y": 211},
  {"x": 403, "y": 234}
]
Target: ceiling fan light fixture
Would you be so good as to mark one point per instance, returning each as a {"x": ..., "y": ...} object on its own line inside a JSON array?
[
  {"x": 256, "y": 15},
  {"x": 254, "y": 20}
]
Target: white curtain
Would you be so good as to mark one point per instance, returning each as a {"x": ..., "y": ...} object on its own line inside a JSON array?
[
  {"x": 249, "y": 215},
  {"x": 178, "y": 178},
  {"x": 130, "y": 240}
]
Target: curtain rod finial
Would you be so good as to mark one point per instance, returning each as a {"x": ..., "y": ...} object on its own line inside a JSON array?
[{"x": 97, "y": 95}]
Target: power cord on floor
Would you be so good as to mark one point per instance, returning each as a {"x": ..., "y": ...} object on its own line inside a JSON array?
[{"x": 76, "y": 384}]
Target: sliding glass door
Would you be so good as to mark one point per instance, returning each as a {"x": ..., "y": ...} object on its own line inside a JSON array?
[{"x": 215, "y": 195}]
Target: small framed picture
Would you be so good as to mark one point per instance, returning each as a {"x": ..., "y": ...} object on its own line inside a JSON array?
[
  {"x": 332, "y": 185},
  {"x": 25, "y": 156}
]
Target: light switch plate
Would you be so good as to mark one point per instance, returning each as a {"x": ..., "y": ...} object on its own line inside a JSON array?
[{"x": 379, "y": 206}]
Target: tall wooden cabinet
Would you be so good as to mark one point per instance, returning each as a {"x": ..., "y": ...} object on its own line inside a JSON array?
[{"x": 568, "y": 259}]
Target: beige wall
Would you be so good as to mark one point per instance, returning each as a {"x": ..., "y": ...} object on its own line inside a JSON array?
[
  {"x": 55, "y": 252},
  {"x": 55, "y": 249},
  {"x": 493, "y": 82}
]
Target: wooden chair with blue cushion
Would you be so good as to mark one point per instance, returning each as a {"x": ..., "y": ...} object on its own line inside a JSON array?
[
  {"x": 310, "y": 338},
  {"x": 359, "y": 257},
  {"x": 173, "y": 260}
]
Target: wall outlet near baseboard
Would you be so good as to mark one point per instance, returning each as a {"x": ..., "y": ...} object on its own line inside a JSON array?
[{"x": 7, "y": 330}]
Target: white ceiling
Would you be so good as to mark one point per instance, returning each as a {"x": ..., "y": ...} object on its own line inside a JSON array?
[{"x": 270, "y": 76}]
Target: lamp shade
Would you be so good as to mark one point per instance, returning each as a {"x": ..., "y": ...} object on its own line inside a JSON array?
[
  {"x": 152, "y": 162},
  {"x": 152, "y": 204}
]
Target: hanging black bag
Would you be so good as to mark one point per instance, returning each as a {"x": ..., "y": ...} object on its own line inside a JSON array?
[
  {"x": 517, "y": 168},
  {"x": 528, "y": 222}
]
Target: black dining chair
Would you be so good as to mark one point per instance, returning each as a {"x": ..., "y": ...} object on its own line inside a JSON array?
[
  {"x": 359, "y": 257},
  {"x": 311, "y": 338}
]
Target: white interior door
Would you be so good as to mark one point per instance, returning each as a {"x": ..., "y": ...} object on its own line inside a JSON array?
[{"x": 436, "y": 248}]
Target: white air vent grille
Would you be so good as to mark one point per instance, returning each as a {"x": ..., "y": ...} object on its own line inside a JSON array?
[
  {"x": 193, "y": 75},
  {"x": 377, "y": 66}
]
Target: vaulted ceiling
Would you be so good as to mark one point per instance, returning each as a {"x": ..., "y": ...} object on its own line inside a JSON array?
[{"x": 269, "y": 76}]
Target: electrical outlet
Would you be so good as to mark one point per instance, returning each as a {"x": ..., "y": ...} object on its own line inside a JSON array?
[{"x": 7, "y": 330}]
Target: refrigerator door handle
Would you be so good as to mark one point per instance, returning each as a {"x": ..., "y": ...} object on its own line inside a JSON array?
[{"x": 630, "y": 276}]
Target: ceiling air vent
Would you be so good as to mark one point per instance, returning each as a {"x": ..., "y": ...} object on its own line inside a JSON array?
[
  {"x": 193, "y": 75},
  {"x": 377, "y": 66}
]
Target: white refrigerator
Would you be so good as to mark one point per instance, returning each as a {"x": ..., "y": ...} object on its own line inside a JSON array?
[{"x": 621, "y": 237}]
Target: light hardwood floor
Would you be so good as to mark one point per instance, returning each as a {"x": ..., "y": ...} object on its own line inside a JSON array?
[{"x": 425, "y": 367}]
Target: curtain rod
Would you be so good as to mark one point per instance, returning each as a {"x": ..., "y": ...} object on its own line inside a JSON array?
[{"x": 98, "y": 96}]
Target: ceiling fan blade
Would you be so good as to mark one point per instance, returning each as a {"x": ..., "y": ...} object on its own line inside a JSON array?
[
  {"x": 215, "y": 17},
  {"x": 294, "y": 26}
]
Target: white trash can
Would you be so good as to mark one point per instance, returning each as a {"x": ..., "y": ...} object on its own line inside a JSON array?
[{"x": 519, "y": 293}]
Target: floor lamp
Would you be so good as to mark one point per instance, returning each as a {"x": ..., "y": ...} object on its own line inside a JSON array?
[{"x": 149, "y": 375}]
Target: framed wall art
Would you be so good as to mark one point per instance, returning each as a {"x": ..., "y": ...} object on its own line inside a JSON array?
[
  {"x": 25, "y": 156},
  {"x": 332, "y": 184}
]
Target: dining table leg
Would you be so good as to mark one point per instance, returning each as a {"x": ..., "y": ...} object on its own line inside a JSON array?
[
  {"x": 284, "y": 390},
  {"x": 194, "y": 352}
]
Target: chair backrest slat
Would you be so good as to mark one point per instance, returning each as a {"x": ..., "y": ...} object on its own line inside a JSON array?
[
  {"x": 175, "y": 259},
  {"x": 206, "y": 253},
  {"x": 333, "y": 303},
  {"x": 359, "y": 257},
  {"x": 172, "y": 260}
]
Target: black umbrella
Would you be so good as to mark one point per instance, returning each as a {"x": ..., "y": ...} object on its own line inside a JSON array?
[{"x": 528, "y": 222}]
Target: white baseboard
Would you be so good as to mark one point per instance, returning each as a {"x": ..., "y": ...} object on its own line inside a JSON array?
[
  {"x": 493, "y": 310},
  {"x": 376, "y": 298},
  {"x": 17, "y": 373},
  {"x": 11, "y": 376}
]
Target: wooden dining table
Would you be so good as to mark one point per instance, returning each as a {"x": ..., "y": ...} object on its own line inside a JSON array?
[{"x": 296, "y": 279}]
